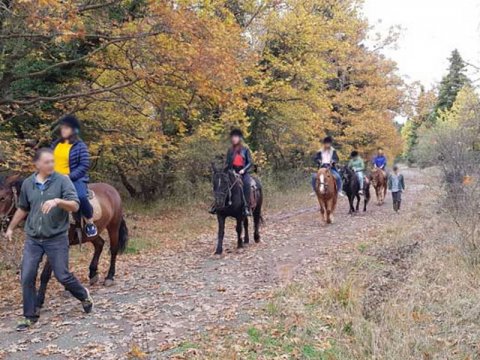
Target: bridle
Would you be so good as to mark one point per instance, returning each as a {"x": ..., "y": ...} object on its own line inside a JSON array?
[
  {"x": 227, "y": 194},
  {"x": 5, "y": 219},
  {"x": 323, "y": 183}
]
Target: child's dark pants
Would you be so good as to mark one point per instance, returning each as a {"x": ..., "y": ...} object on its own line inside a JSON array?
[{"x": 397, "y": 200}]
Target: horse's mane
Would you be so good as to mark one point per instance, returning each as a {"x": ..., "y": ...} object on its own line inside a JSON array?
[{"x": 17, "y": 183}]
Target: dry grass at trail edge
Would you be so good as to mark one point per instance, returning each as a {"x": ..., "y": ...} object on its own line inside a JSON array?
[{"x": 405, "y": 293}]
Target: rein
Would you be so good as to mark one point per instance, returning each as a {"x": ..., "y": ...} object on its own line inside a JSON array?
[
  {"x": 228, "y": 194},
  {"x": 5, "y": 219}
]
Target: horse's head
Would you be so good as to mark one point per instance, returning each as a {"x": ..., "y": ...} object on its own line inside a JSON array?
[
  {"x": 325, "y": 180},
  {"x": 377, "y": 177},
  {"x": 221, "y": 181},
  {"x": 9, "y": 192},
  {"x": 347, "y": 174}
]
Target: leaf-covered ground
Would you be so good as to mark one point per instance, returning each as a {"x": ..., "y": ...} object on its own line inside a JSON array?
[{"x": 166, "y": 298}]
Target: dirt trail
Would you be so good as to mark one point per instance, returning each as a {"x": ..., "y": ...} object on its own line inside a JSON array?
[{"x": 166, "y": 298}]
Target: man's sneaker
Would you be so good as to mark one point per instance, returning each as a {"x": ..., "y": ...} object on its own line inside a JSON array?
[
  {"x": 360, "y": 192},
  {"x": 91, "y": 230},
  {"x": 247, "y": 212},
  {"x": 88, "y": 303},
  {"x": 313, "y": 193},
  {"x": 25, "y": 324},
  {"x": 341, "y": 193}
]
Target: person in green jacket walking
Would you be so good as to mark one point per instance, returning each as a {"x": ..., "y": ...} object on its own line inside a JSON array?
[
  {"x": 396, "y": 185},
  {"x": 358, "y": 165}
]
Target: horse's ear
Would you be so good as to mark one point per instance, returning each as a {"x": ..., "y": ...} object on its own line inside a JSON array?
[
  {"x": 214, "y": 166},
  {"x": 12, "y": 179}
]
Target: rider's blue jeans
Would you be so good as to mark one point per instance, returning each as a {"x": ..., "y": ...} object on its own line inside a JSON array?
[
  {"x": 56, "y": 250},
  {"x": 336, "y": 175},
  {"x": 86, "y": 209},
  {"x": 361, "y": 178}
]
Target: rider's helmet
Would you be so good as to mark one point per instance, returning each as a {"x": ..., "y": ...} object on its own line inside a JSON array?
[
  {"x": 236, "y": 132},
  {"x": 71, "y": 121},
  {"x": 327, "y": 140},
  {"x": 354, "y": 154}
]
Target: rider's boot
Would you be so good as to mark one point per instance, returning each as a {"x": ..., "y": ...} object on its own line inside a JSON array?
[
  {"x": 213, "y": 210},
  {"x": 247, "y": 211},
  {"x": 91, "y": 229}
]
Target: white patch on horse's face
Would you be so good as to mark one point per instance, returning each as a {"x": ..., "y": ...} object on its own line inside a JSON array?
[{"x": 322, "y": 183}]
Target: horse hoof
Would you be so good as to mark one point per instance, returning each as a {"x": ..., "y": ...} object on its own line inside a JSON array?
[
  {"x": 257, "y": 239},
  {"x": 109, "y": 282},
  {"x": 94, "y": 280}
]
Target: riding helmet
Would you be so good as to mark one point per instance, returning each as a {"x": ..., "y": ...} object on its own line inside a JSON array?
[
  {"x": 354, "y": 153},
  {"x": 328, "y": 140},
  {"x": 236, "y": 132},
  {"x": 71, "y": 121}
]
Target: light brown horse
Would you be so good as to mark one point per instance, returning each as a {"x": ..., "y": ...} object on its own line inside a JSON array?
[
  {"x": 379, "y": 182},
  {"x": 112, "y": 221},
  {"x": 327, "y": 193}
]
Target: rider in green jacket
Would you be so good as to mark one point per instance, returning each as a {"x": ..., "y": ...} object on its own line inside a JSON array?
[{"x": 358, "y": 165}]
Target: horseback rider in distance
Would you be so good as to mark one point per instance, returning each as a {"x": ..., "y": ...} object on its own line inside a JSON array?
[
  {"x": 239, "y": 160},
  {"x": 380, "y": 160},
  {"x": 327, "y": 157}
]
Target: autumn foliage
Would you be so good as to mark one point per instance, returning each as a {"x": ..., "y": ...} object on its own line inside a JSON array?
[{"x": 158, "y": 84}]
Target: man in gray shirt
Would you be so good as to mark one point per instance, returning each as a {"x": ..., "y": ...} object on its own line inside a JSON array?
[{"x": 45, "y": 200}]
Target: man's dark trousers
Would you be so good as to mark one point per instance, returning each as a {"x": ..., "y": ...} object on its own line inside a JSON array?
[{"x": 56, "y": 250}]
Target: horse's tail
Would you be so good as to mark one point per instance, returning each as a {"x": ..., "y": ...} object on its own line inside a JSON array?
[{"x": 122, "y": 237}]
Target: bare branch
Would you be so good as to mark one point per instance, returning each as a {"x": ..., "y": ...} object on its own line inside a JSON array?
[{"x": 69, "y": 96}]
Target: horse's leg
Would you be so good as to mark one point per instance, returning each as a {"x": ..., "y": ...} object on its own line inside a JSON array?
[
  {"x": 384, "y": 193},
  {"x": 246, "y": 238},
  {"x": 257, "y": 218},
  {"x": 329, "y": 212},
  {"x": 239, "y": 232},
  {"x": 113, "y": 233},
  {"x": 367, "y": 198},
  {"x": 358, "y": 203},
  {"x": 221, "y": 234},
  {"x": 44, "y": 279},
  {"x": 98, "y": 245},
  {"x": 351, "y": 198},
  {"x": 322, "y": 211}
]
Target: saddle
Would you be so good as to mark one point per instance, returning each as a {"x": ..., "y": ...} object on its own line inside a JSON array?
[
  {"x": 97, "y": 208},
  {"x": 254, "y": 187},
  {"x": 254, "y": 194}
]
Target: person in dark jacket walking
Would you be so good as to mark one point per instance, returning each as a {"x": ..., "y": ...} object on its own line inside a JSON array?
[
  {"x": 72, "y": 159},
  {"x": 45, "y": 200},
  {"x": 396, "y": 185}
]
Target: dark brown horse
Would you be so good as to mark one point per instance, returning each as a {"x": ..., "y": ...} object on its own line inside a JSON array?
[
  {"x": 111, "y": 220},
  {"x": 229, "y": 202},
  {"x": 327, "y": 193},
  {"x": 379, "y": 182}
]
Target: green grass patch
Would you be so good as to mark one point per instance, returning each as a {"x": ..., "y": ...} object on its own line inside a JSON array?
[{"x": 137, "y": 245}]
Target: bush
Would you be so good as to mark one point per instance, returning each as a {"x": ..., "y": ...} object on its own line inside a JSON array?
[{"x": 452, "y": 145}]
